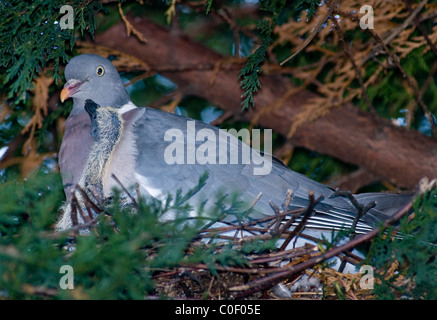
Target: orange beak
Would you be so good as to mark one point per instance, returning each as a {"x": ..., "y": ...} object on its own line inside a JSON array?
[
  {"x": 65, "y": 94},
  {"x": 70, "y": 88}
]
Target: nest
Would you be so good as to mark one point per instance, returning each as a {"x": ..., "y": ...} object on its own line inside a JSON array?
[{"x": 289, "y": 272}]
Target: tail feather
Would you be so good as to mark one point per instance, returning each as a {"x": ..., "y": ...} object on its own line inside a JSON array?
[{"x": 387, "y": 204}]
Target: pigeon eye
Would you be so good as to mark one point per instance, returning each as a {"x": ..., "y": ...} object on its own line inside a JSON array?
[{"x": 100, "y": 71}]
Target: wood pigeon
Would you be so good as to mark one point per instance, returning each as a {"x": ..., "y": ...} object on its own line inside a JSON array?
[{"x": 157, "y": 150}]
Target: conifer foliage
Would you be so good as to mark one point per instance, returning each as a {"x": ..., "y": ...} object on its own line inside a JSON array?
[{"x": 32, "y": 39}]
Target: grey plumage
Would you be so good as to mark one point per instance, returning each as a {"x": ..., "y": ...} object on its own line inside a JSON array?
[
  {"x": 139, "y": 156},
  {"x": 108, "y": 87}
]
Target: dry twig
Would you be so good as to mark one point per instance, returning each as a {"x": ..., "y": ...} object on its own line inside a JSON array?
[
  {"x": 129, "y": 27},
  {"x": 318, "y": 26},
  {"x": 269, "y": 281}
]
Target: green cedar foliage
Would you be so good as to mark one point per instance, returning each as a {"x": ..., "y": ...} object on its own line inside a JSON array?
[
  {"x": 250, "y": 72},
  {"x": 412, "y": 249},
  {"x": 310, "y": 6},
  {"x": 117, "y": 259},
  {"x": 32, "y": 39}
]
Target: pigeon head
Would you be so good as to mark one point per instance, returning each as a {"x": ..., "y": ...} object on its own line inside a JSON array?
[{"x": 90, "y": 76}]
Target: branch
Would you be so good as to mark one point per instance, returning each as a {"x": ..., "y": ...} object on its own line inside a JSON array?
[
  {"x": 316, "y": 30},
  {"x": 129, "y": 28},
  {"x": 396, "y": 154},
  {"x": 269, "y": 281},
  {"x": 350, "y": 56},
  {"x": 302, "y": 223}
]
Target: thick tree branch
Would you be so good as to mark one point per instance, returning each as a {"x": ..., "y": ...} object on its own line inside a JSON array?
[{"x": 398, "y": 155}]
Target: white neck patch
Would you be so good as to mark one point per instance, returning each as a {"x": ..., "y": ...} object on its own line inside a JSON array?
[{"x": 127, "y": 107}]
